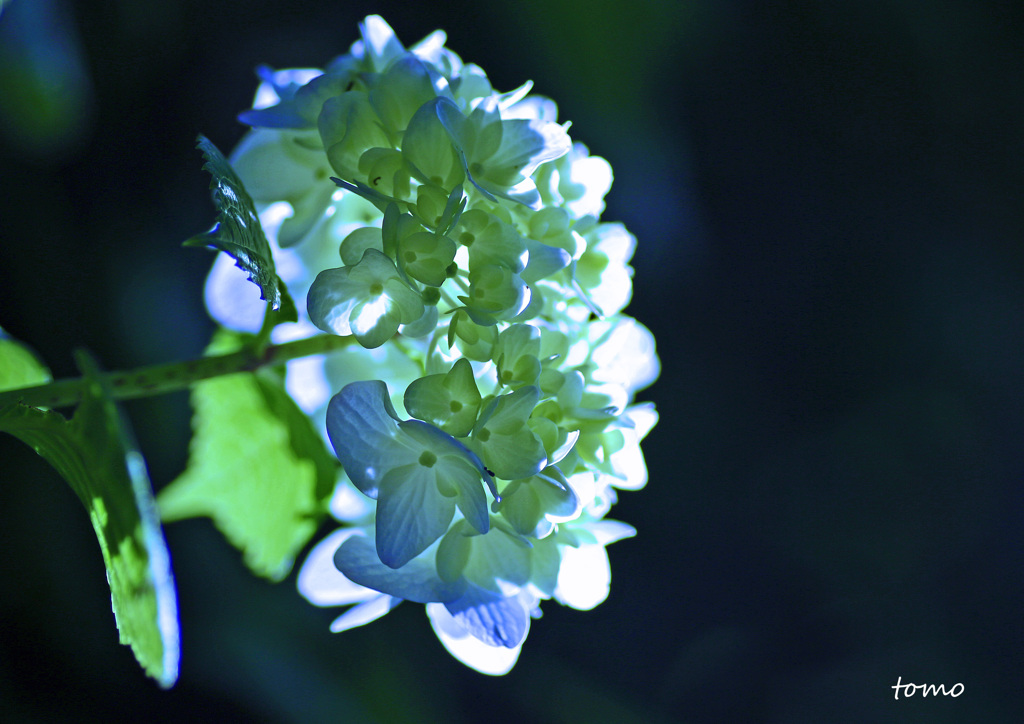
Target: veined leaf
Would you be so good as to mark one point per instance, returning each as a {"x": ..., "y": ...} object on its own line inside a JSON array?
[
  {"x": 237, "y": 231},
  {"x": 95, "y": 454},
  {"x": 257, "y": 467}
]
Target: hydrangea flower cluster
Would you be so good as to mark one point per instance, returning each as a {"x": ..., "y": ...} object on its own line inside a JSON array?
[{"x": 485, "y": 418}]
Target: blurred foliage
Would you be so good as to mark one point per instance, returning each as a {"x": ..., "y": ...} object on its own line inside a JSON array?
[{"x": 44, "y": 79}]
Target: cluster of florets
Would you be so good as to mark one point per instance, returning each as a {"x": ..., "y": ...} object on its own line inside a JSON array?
[{"x": 486, "y": 299}]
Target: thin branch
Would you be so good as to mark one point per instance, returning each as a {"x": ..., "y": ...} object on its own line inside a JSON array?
[{"x": 173, "y": 376}]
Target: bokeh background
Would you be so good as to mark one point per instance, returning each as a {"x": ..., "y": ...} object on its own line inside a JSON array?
[{"x": 828, "y": 198}]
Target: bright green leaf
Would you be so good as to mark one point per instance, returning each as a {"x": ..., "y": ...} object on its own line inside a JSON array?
[
  {"x": 257, "y": 467},
  {"x": 95, "y": 455},
  {"x": 19, "y": 366},
  {"x": 238, "y": 230}
]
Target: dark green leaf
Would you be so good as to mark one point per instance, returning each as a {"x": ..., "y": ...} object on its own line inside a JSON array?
[
  {"x": 96, "y": 456},
  {"x": 238, "y": 231},
  {"x": 287, "y": 311}
]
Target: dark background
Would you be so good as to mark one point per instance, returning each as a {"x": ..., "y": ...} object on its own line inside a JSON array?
[{"x": 828, "y": 202}]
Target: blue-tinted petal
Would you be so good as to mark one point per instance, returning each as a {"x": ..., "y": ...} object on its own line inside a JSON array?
[
  {"x": 415, "y": 581},
  {"x": 281, "y": 85},
  {"x": 452, "y": 120},
  {"x": 411, "y": 513},
  {"x": 283, "y": 115},
  {"x": 527, "y": 144},
  {"x": 490, "y": 617},
  {"x": 471, "y": 500},
  {"x": 544, "y": 261},
  {"x": 446, "y": 445},
  {"x": 490, "y": 660},
  {"x": 362, "y": 426}
]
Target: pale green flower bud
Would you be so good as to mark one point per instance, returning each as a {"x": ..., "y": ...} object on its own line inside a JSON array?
[
  {"x": 495, "y": 293},
  {"x": 517, "y": 355},
  {"x": 504, "y": 441},
  {"x": 491, "y": 241},
  {"x": 369, "y": 300},
  {"x": 451, "y": 401},
  {"x": 349, "y": 126}
]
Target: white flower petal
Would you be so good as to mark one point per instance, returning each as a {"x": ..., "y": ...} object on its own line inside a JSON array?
[
  {"x": 347, "y": 503},
  {"x": 610, "y": 531},
  {"x": 584, "y": 577},
  {"x": 625, "y": 355},
  {"x": 594, "y": 175},
  {"x": 491, "y": 660},
  {"x": 644, "y": 417},
  {"x": 379, "y": 42},
  {"x": 322, "y": 583},
  {"x": 306, "y": 382},
  {"x": 364, "y": 613},
  {"x": 628, "y": 463},
  {"x": 531, "y": 108}
]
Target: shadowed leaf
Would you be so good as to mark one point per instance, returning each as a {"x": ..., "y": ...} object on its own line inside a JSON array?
[
  {"x": 95, "y": 454},
  {"x": 237, "y": 231}
]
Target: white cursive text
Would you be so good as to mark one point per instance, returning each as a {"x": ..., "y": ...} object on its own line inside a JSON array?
[{"x": 927, "y": 689}]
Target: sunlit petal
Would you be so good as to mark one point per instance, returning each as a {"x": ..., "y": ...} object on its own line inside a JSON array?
[
  {"x": 491, "y": 660},
  {"x": 322, "y": 583}
]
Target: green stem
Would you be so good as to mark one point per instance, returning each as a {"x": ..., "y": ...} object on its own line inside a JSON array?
[{"x": 173, "y": 376}]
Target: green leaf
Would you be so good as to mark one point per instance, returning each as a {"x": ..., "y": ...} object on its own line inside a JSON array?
[
  {"x": 238, "y": 230},
  {"x": 257, "y": 467},
  {"x": 96, "y": 456},
  {"x": 19, "y": 366}
]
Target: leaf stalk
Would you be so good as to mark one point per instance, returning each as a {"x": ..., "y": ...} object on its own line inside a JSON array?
[{"x": 169, "y": 377}]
